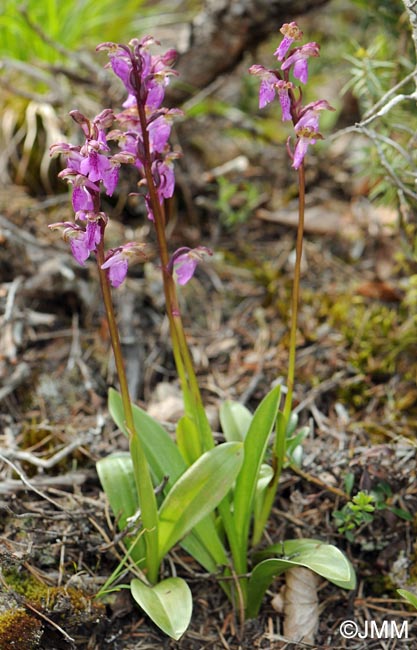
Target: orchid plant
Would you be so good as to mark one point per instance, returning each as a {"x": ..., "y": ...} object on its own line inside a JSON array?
[{"x": 213, "y": 499}]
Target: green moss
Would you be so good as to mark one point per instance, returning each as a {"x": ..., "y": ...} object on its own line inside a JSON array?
[
  {"x": 378, "y": 336},
  {"x": 61, "y": 603},
  {"x": 19, "y": 630}
]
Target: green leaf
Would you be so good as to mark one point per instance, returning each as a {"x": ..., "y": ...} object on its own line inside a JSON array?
[
  {"x": 324, "y": 559},
  {"x": 200, "y": 551},
  {"x": 161, "y": 452},
  {"x": 168, "y": 604},
  {"x": 409, "y": 596},
  {"x": 165, "y": 460},
  {"x": 265, "y": 476},
  {"x": 147, "y": 504},
  {"x": 291, "y": 425},
  {"x": 402, "y": 514},
  {"x": 117, "y": 479},
  {"x": 293, "y": 445},
  {"x": 205, "y": 545},
  {"x": 349, "y": 482},
  {"x": 197, "y": 492},
  {"x": 188, "y": 440},
  {"x": 235, "y": 419},
  {"x": 255, "y": 445}
]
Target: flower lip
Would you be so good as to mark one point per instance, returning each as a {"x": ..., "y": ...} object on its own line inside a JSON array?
[
  {"x": 117, "y": 260},
  {"x": 184, "y": 262}
]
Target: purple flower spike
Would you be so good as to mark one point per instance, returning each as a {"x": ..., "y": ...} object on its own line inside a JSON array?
[{"x": 291, "y": 33}]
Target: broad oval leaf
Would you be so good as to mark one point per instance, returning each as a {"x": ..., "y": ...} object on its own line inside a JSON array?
[
  {"x": 235, "y": 419},
  {"x": 168, "y": 604},
  {"x": 197, "y": 492},
  {"x": 324, "y": 559}
]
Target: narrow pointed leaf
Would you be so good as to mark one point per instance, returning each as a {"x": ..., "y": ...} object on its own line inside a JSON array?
[
  {"x": 255, "y": 445},
  {"x": 409, "y": 596},
  {"x": 188, "y": 440},
  {"x": 161, "y": 452},
  {"x": 168, "y": 604},
  {"x": 197, "y": 492},
  {"x": 148, "y": 506},
  {"x": 205, "y": 545}
]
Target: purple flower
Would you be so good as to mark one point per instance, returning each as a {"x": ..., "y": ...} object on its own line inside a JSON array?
[
  {"x": 283, "y": 88},
  {"x": 305, "y": 138},
  {"x": 159, "y": 128},
  {"x": 143, "y": 75},
  {"x": 82, "y": 242},
  {"x": 271, "y": 84},
  {"x": 117, "y": 261},
  {"x": 85, "y": 242},
  {"x": 291, "y": 33},
  {"x": 164, "y": 180},
  {"x": 316, "y": 107},
  {"x": 92, "y": 160},
  {"x": 91, "y": 128},
  {"x": 299, "y": 60},
  {"x": 268, "y": 84},
  {"x": 82, "y": 199},
  {"x": 184, "y": 268},
  {"x": 99, "y": 167},
  {"x": 121, "y": 64},
  {"x": 117, "y": 266},
  {"x": 307, "y": 129},
  {"x": 184, "y": 262}
]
